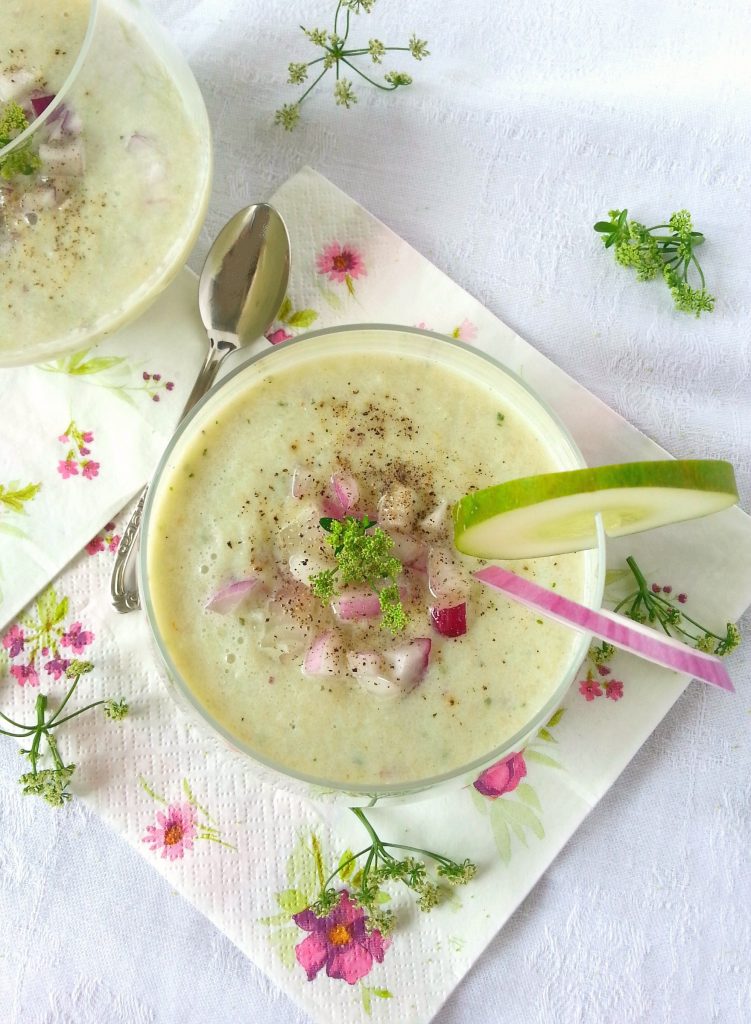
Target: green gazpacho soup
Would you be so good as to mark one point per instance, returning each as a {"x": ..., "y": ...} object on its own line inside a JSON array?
[{"x": 323, "y": 689}]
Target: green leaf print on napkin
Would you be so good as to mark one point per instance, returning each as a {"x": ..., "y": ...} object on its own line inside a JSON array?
[
  {"x": 13, "y": 501},
  {"x": 297, "y": 319},
  {"x": 116, "y": 373},
  {"x": 518, "y": 815}
]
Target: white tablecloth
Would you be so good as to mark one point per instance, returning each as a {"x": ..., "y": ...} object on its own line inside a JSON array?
[{"x": 527, "y": 123}]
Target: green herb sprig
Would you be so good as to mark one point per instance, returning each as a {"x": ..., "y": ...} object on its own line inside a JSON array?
[
  {"x": 381, "y": 867},
  {"x": 650, "y": 603},
  {"x": 51, "y": 783},
  {"x": 652, "y": 255},
  {"x": 336, "y": 55},
  {"x": 23, "y": 159},
  {"x": 363, "y": 555}
]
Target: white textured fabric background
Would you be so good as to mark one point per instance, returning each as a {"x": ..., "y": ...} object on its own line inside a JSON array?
[{"x": 526, "y": 125}]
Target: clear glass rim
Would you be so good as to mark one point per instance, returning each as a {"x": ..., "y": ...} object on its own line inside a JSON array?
[
  {"x": 374, "y": 791},
  {"x": 65, "y": 87}
]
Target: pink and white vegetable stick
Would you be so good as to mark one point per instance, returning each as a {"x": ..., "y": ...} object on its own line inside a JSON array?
[{"x": 616, "y": 629}]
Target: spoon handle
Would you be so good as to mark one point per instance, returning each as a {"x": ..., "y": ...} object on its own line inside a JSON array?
[
  {"x": 123, "y": 585},
  {"x": 125, "y": 598}
]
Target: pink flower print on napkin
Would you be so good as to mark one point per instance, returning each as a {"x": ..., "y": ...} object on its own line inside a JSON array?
[
  {"x": 67, "y": 468},
  {"x": 174, "y": 832},
  {"x": 77, "y": 638},
  {"x": 465, "y": 331},
  {"x": 278, "y": 336},
  {"x": 57, "y": 667},
  {"x": 76, "y": 456},
  {"x": 25, "y": 675},
  {"x": 14, "y": 641},
  {"x": 502, "y": 777},
  {"x": 342, "y": 264},
  {"x": 613, "y": 689},
  {"x": 153, "y": 384},
  {"x": 339, "y": 942},
  {"x": 106, "y": 540},
  {"x": 590, "y": 689}
]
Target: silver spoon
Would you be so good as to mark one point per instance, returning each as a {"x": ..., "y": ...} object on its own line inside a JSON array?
[{"x": 242, "y": 285}]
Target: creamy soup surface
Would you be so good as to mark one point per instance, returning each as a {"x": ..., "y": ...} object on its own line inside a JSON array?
[
  {"x": 120, "y": 183},
  {"x": 227, "y": 511}
]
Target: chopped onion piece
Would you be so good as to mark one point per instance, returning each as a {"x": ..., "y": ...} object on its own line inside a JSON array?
[
  {"x": 365, "y": 663},
  {"x": 396, "y": 508},
  {"x": 408, "y": 662},
  {"x": 230, "y": 597},
  {"x": 302, "y": 483},
  {"x": 323, "y": 657},
  {"x": 151, "y": 163},
  {"x": 437, "y": 520},
  {"x": 303, "y": 566},
  {"x": 15, "y": 84},
  {"x": 68, "y": 160},
  {"x": 447, "y": 579},
  {"x": 450, "y": 621},
  {"x": 408, "y": 550},
  {"x": 356, "y": 604},
  {"x": 615, "y": 629},
  {"x": 344, "y": 496},
  {"x": 42, "y": 198},
  {"x": 40, "y": 103}
]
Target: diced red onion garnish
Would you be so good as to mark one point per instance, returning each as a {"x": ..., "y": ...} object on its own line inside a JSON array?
[
  {"x": 68, "y": 160},
  {"x": 302, "y": 483},
  {"x": 356, "y": 604},
  {"x": 303, "y": 566},
  {"x": 615, "y": 629},
  {"x": 450, "y": 621},
  {"x": 396, "y": 508},
  {"x": 42, "y": 198},
  {"x": 40, "y": 103},
  {"x": 344, "y": 496},
  {"x": 365, "y": 663},
  {"x": 151, "y": 163},
  {"x": 323, "y": 657},
  {"x": 447, "y": 579},
  {"x": 15, "y": 84},
  {"x": 230, "y": 597},
  {"x": 360, "y": 603},
  {"x": 408, "y": 550},
  {"x": 436, "y": 520},
  {"x": 408, "y": 662}
]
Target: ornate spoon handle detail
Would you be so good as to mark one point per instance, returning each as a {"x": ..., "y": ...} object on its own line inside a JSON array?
[{"x": 124, "y": 598}]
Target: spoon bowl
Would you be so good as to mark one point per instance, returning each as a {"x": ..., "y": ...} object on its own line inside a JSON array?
[
  {"x": 244, "y": 278},
  {"x": 242, "y": 286}
]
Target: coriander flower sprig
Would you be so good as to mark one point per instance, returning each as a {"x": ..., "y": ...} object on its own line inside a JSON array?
[
  {"x": 363, "y": 555},
  {"x": 51, "y": 783},
  {"x": 652, "y": 255},
  {"x": 381, "y": 867},
  {"x": 336, "y": 55},
  {"x": 648, "y": 603},
  {"x": 23, "y": 159}
]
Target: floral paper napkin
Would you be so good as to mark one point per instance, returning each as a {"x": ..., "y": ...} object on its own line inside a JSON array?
[
  {"x": 82, "y": 433},
  {"x": 252, "y": 858}
]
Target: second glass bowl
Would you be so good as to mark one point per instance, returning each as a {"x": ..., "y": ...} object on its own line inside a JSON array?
[{"x": 103, "y": 194}]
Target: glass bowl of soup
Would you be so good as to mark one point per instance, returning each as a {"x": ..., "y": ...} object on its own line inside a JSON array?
[
  {"x": 105, "y": 168},
  {"x": 396, "y": 424}
]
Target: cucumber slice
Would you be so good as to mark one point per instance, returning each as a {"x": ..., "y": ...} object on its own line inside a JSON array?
[{"x": 554, "y": 513}]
